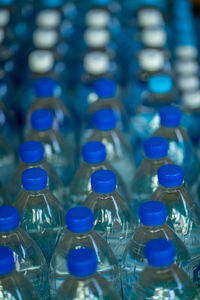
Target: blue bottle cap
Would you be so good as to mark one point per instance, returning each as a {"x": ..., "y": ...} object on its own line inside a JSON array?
[
  {"x": 170, "y": 116},
  {"x": 31, "y": 152},
  {"x": 44, "y": 87},
  {"x": 79, "y": 219},
  {"x": 94, "y": 152},
  {"x": 105, "y": 119},
  {"x": 9, "y": 218},
  {"x": 7, "y": 262},
  {"x": 156, "y": 147},
  {"x": 152, "y": 213},
  {"x": 160, "y": 84},
  {"x": 34, "y": 179},
  {"x": 105, "y": 88},
  {"x": 170, "y": 176},
  {"x": 160, "y": 253},
  {"x": 42, "y": 119},
  {"x": 82, "y": 262},
  {"x": 103, "y": 181}
]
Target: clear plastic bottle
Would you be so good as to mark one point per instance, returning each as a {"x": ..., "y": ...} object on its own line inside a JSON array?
[
  {"x": 96, "y": 64},
  {"x": 57, "y": 152},
  {"x": 80, "y": 233},
  {"x": 145, "y": 121},
  {"x": 112, "y": 217},
  {"x": 183, "y": 213},
  {"x": 32, "y": 156},
  {"x": 162, "y": 278},
  {"x": 145, "y": 181},
  {"x": 118, "y": 149},
  {"x": 13, "y": 284},
  {"x": 47, "y": 97},
  {"x": 106, "y": 91},
  {"x": 94, "y": 158},
  {"x": 40, "y": 212},
  {"x": 83, "y": 281},
  {"x": 180, "y": 147},
  {"x": 152, "y": 216},
  {"x": 29, "y": 259}
]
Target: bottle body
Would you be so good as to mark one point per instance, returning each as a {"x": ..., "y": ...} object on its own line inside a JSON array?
[
  {"x": 184, "y": 218},
  {"x": 107, "y": 263},
  {"x": 145, "y": 182},
  {"x": 180, "y": 150},
  {"x": 42, "y": 218},
  {"x": 94, "y": 287},
  {"x": 134, "y": 261},
  {"x": 81, "y": 183},
  {"x": 169, "y": 282},
  {"x": 29, "y": 258},
  {"x": 57, "y": 153},
  {"x": 112, "y": 220},
  {"x": 16, "y": 286}
]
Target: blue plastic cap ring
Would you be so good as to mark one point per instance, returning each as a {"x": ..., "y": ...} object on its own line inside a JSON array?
[
  {"x": 31, "y": 152},
  {"x": 42, "y": 119},
  {"x": 7, "y": 263},
  {"x": 170, "y": 176},
  {"x": 79, "y": 219},
  {"x": 160, "y": 253},
  {"x": 152, "y": 213},
  {"x": 105, "y": 119},
  {"x": 105, "y": 88},
  {"x": 170, "y": 116},
  {"x": 34, "y": 179},
  {"x": 52, "y": 3},
  {"x": 156, "y": 147},
  {"x": 9, "y": 218},
  {"x": 82, "y": 262},
  {"x": 44, "y": 87},
  {"x": 94, "y": 152},
  {"x": 103, "y": 181},
  {"x": 160, "y": 84}
]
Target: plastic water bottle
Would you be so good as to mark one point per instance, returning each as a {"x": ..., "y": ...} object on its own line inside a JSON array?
[
  {"x": 57, "y": 152},
  {"x": 162, "y": 277},
  {"x": 40, "y": 213},
  {"x": 112, "y": 217},
  {"x": 155, "y": 38},
  {"x": 80, "y": 233},
  {"x": 145, "y": 181},
  {"x": 94, "y": 158},
  {"x": 183, "y": 213},
  {"x": 118, "y": 149},
  {"x": 47, "y": 97},
  {"x": 106, "y": 90},
  {"x": 180, "y": 147},
  {"x": 152, "y": 216},
  {"x": 13, "y": 283},
  {"x": 96, "y": 64},
  {"x": 29, "y": 259},
  {"x": 150, "y": 62},
  {"x": 145, "y": 121},
  {"x": 83, "y": 280},
  {"x": 32, "y": 156}
]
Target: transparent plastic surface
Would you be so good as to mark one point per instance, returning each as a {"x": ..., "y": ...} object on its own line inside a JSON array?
[
  {"x": 112, "y": 220},
  {"x": 107, "y": 263},
  {"x": 29, "y": 259},
  {"x": 42, "y": 217},
  {"x": 93, "y": 287},
  {"x": 134, "y": 261},
  {"x": 145, "y": 181}
]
